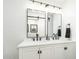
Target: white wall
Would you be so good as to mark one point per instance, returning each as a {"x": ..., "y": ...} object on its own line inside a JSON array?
[
  {"x": 69, "y": 17},
  {"x": 14, "y": 24},
  {"x": 14, "y": 27}
]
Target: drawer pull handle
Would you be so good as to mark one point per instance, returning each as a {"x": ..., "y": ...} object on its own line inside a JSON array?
[{"x": 65, "y": 48}]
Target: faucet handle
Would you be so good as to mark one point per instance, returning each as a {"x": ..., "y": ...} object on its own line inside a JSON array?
[
  {"x": 53, "y": 36},
  {"x": 33, "y": 39},
  {"x": 40, "y": 38},
  {"x": 47, "y": 37},
  {"x": 37, "y": 36}
]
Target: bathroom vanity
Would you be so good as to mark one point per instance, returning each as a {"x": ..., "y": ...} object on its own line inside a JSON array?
[
  {"x": 43, "y": 39},
  {"x": 47, "y": 50}
]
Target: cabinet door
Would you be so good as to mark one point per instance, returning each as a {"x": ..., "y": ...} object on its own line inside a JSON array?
[
  {"x": 65, "y": 51},
  {"x": 47, "y": 53},
  {"x": 71, "y": 51},
  {"x": 30, "y": 53},
  {"x": 59, "y": 52}
]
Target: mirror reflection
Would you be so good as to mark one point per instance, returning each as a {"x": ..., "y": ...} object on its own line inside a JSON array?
[
  {"x": 36, "y": 23},
  {"x": 54, "y": 25}
]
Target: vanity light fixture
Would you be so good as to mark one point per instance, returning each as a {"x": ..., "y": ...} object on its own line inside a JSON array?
[
  {"x": 59, "y": 8},
  {"x": 41, "y": 3},
  {"x": 32, "y": 1},
  {"x": 46, "y": 5},
  {"x": 53, "y": 6}
]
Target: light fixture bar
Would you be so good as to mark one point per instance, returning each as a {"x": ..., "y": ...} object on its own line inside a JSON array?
[
  {"x": 46, "y": 4},
  {"x": 36, "y": 17}
]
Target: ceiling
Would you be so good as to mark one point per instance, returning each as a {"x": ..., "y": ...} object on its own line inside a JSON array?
[{"x": 54, "y": 2}]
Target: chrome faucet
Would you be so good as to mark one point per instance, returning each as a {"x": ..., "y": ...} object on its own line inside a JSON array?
[
  {"x": 47, "y": 38},
  {"x": 37, "y": 38},
  {"x": 55, "y": 37}
]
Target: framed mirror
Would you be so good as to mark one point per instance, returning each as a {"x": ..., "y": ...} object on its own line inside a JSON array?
[
  {"x": 36, "y": 23},
  {"x": 54, "y": 24}
]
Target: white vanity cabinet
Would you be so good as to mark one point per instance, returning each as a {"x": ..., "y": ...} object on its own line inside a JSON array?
[{"x": 53, "y": 51}]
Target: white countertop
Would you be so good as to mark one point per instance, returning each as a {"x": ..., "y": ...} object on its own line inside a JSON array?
[{"x": 29, "y": 42}]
